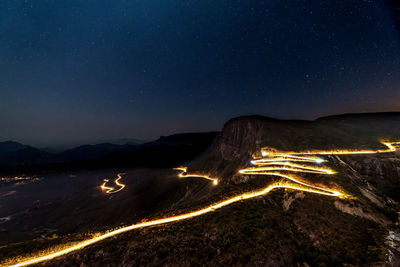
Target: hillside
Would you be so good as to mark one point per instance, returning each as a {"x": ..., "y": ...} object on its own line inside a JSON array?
[{"x": 286, "y": 227}]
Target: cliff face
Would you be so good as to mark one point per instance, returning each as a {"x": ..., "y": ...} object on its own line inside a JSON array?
[
  {"x": 380, "y": 173},
  {"x": 240, "y": 138}
]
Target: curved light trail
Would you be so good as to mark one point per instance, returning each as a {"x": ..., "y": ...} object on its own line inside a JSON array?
[
  {"x": 185, "y": 174},
  {"x": 112, "y": 190},
  {"x": 390, "y": 147},
  {"x": 274, "y": 163},
  {"x": 277, "y": 165},
  {"x": 165, "y": 220}
]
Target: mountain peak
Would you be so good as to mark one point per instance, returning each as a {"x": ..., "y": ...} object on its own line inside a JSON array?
[{"x": 10, "y": 146}]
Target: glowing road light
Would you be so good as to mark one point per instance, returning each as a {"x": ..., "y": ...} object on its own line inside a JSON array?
[
  {"x": 286, "y": 157},
  {"x": 112, "y": 190},
  {"x": 184, "y": 216},
  {"x": 18, "y": 178},
  {"x": 391, "y": 147},
  {"x": 184, "y": 174},
  {"x": 285, "y": 166},
  {"x": 278, "y": 162}
]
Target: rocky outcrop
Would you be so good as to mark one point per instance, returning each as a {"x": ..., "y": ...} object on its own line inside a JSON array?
[
  {"x": 289, "y": 198},
  {"x": 241, "y": 138},
  {"x": 359, "y": 211}
]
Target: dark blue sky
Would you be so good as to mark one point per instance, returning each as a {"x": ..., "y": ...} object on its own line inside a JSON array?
[{"x": 81, "y": 71}]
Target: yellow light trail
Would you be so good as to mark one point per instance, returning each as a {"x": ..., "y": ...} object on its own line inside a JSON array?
[
  {"x": 112, "y": 190},
  {"x": 391, "y": 147},
  {"x": 184, "y": 174},
  {"x": 281, "y": 157},
  {"x": 274, "y": 162},
  {"x": 165, "y": 220},
  {"x": 285, "y": 166},
  {"x": 275, "y": 168},
  {"x": 262, "y": 170}
]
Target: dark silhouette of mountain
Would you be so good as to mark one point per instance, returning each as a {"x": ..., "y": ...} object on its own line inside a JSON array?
[
  {"x": 122, "y": 141},
  {"x": 362, "y": 116},
  {"x": 87, "y": 152},
  {"x": 10, "y": 146},
  {"x": 14, "y": 153},
  {"x": 165, "y": 151}
]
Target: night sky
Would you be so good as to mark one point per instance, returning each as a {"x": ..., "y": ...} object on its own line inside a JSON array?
[{"x": 81, "y": 71}]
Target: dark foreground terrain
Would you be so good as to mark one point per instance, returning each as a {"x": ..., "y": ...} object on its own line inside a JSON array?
[{"x": 283, "y": 228}]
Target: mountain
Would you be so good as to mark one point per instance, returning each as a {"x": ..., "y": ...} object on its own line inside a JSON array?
[
  {"x": 10, "y": 146},
  {"x": 167, "y": 151},
  {"x": 286, "y": 226},
  {"x": 122, "y": 141},
  {"x": 14, "y": 153},
  {"x": 87, "y": 152},
  {"x": 163, "y": 152}
]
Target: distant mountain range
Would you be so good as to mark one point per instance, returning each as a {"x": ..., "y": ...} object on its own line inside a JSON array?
[
  {"x": 16, "y": 153},
  {"x": 119, "y": 141},
  {"x": 18, "y": 157}
]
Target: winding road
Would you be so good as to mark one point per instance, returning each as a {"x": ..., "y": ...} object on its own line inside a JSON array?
[
  {"x": 112, "y": 190},
  {"x": 185, "y": 174},
  {"x": 280, "y": 164}
]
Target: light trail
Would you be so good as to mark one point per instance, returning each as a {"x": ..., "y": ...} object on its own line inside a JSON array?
[
  {"x": 286, "y": 158},
  {"x": 112, "y": 190},
  {"x": 391, "y": 147},
  {"x": 184, "y": 174},
  {"x": 274, "y": 166},
  {"x": 184, "y": 216},
  {"x": 276, "y": 163},
  {"x": 285, "y": 166}
]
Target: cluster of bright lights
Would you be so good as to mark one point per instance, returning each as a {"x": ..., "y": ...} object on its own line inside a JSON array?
[
  {"x": 18, "y": 178},
  {"x": 112, "y": 190},
  {"x": 276, "y": 164},
  {"x": 279, "y": 164},
  {"x": 184, "y": 174}
]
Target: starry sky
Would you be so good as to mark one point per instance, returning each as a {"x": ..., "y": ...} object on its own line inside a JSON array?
[{"x": 79, "y": 71}]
